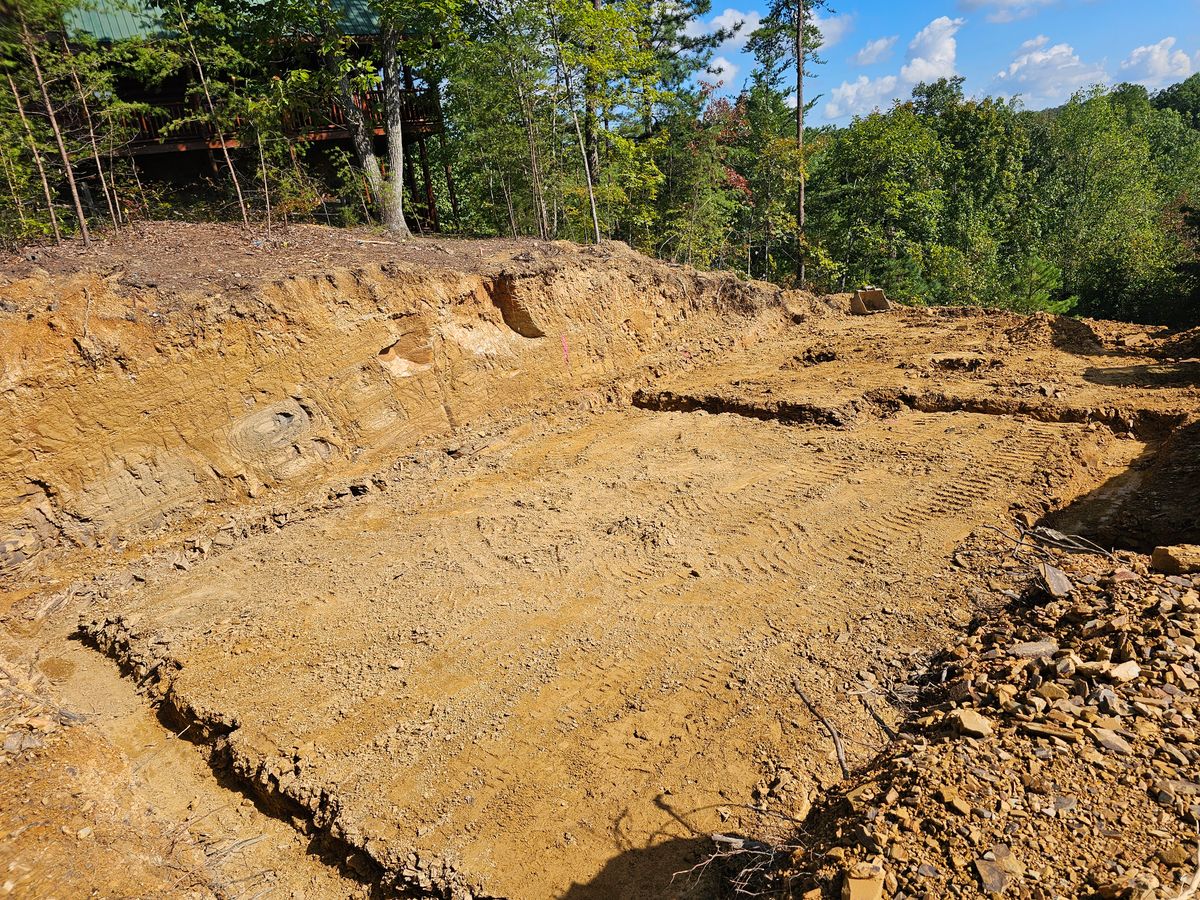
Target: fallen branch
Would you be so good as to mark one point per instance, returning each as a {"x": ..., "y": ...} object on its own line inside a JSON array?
[{"x": 838, "y": 747}]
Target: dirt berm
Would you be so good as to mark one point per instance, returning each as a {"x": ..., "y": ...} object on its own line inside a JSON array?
[{"x": 495, "y": 567}]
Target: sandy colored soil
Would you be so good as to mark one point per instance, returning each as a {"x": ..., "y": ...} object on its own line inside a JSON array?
[{"x": 506, "y": 578}]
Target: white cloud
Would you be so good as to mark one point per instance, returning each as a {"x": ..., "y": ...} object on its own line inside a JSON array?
[
  {"x": 931, "y": 55},
  {"x": 1005, "y": 10},
  {"x": 833, "y": 29},
  {"x": 730, "y": 19},
  {"x": 874, "y": 51},
  {"x": 1048, "y": 74},
  {"x": 860, "y": 95},
  {"x": 723, "y": 69},
  {"x": 1158, "y": 64}
]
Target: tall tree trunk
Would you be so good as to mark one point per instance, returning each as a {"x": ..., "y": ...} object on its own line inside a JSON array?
[
  {"x": 512, "y": 214},
  {"x": 37, "y": 161},
  {"x": 362, "y": 132},
  {"x": 410, "y": 182},
  {"x": 393, "y": 107},
  {"x": 87, "y": 117},
  {"x": 535, "y": 166},
  {"x": 587, "y": 169},
  {"x": 801, "y": 50},
  {"x": 450, "y": 189},
  {"x": 27, "y": 39},
  {"x": 212, "y": 111},
  {"x": 431, "y": 214},
  {"x": 591, "y": 138},
  {"x": 361, "y": 136},
  {"x": 449, "y": 179}
]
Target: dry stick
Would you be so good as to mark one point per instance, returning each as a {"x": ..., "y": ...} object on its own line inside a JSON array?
[
  {"x": 87, "y": 117},
  {"x": 138, "y": 180},
  {"x": 221, "y": 856},
  {"x": 363, "y": 195},
  {"x": 1192, "y": 887},
  {"x": 12, "y": 189},
  {"x": 212, "y": 111},
  {"x": 37, "y": 160},
  {"x": 838, "y": 747},
  {"x": 27, "y": 39},
  {"x": 539, "y": 198},
  {"x": 266, "y": 187},
  {"x": 122, "y": 215},
  {"x": 159, "y": 748}
]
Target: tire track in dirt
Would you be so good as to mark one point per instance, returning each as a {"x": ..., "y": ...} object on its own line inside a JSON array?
[{"x": 541, "y": 643}]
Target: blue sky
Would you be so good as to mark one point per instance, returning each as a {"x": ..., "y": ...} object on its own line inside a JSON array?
[{"x": 1042, "y": 50}]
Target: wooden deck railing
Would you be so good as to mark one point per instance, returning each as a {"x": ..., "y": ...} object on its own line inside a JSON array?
[{"x": 152, "y": 135}]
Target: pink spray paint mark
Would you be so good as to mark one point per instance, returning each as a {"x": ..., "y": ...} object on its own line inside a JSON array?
[{"x": 566, "y": 352}]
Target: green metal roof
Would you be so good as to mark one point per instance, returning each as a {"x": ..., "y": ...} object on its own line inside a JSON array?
[
  {"x": 113, "y": 20},
  {"x": 107, "y": 23}
]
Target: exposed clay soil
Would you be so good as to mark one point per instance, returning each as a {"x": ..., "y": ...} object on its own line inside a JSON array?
[{"x": 499, "y": 569}]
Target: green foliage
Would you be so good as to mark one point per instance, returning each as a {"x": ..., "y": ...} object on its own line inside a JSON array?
[{"x": 1183, "y": 98}]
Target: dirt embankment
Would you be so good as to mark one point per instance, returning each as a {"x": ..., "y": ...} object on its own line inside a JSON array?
[
  {"x": 519, "y": 570},
  {"x": 131, "y": 411}
]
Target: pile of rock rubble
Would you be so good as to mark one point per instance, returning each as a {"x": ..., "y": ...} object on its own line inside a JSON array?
[{"x": 1053, "y": 752}]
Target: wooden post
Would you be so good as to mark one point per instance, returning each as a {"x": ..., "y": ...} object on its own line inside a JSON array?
[
  {"x": 422, "y": 153},
  {"x": 262, "y": 160}
]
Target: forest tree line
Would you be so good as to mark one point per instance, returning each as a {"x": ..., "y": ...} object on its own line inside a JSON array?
[{"x": 598, "y": 119}]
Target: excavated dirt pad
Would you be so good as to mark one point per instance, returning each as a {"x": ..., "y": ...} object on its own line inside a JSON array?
[
  {"x": 549, "y": 650},
  {"x": 523, "y": 666}
]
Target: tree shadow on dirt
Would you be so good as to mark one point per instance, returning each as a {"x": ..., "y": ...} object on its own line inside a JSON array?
[
  {"x": 652, "y": 873},
  {"x": 664, "y": 866},
  {"x": 1160, "y": 375},
  {"x": 1153, "y": 502}
]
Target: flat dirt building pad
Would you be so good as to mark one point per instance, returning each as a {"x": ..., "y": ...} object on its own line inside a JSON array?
[{"x": 560, "y": 649}]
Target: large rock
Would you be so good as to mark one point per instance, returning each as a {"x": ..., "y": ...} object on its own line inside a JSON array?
[
  {"x": 1177, "y": 560},
  {"x": 863, "y": 881},
  {"x": 970, "y": 723}
]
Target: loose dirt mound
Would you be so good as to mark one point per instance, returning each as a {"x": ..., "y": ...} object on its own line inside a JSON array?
[
  {"x": 1185, "y": 345},
  {"x": 499, "y": 577}
]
